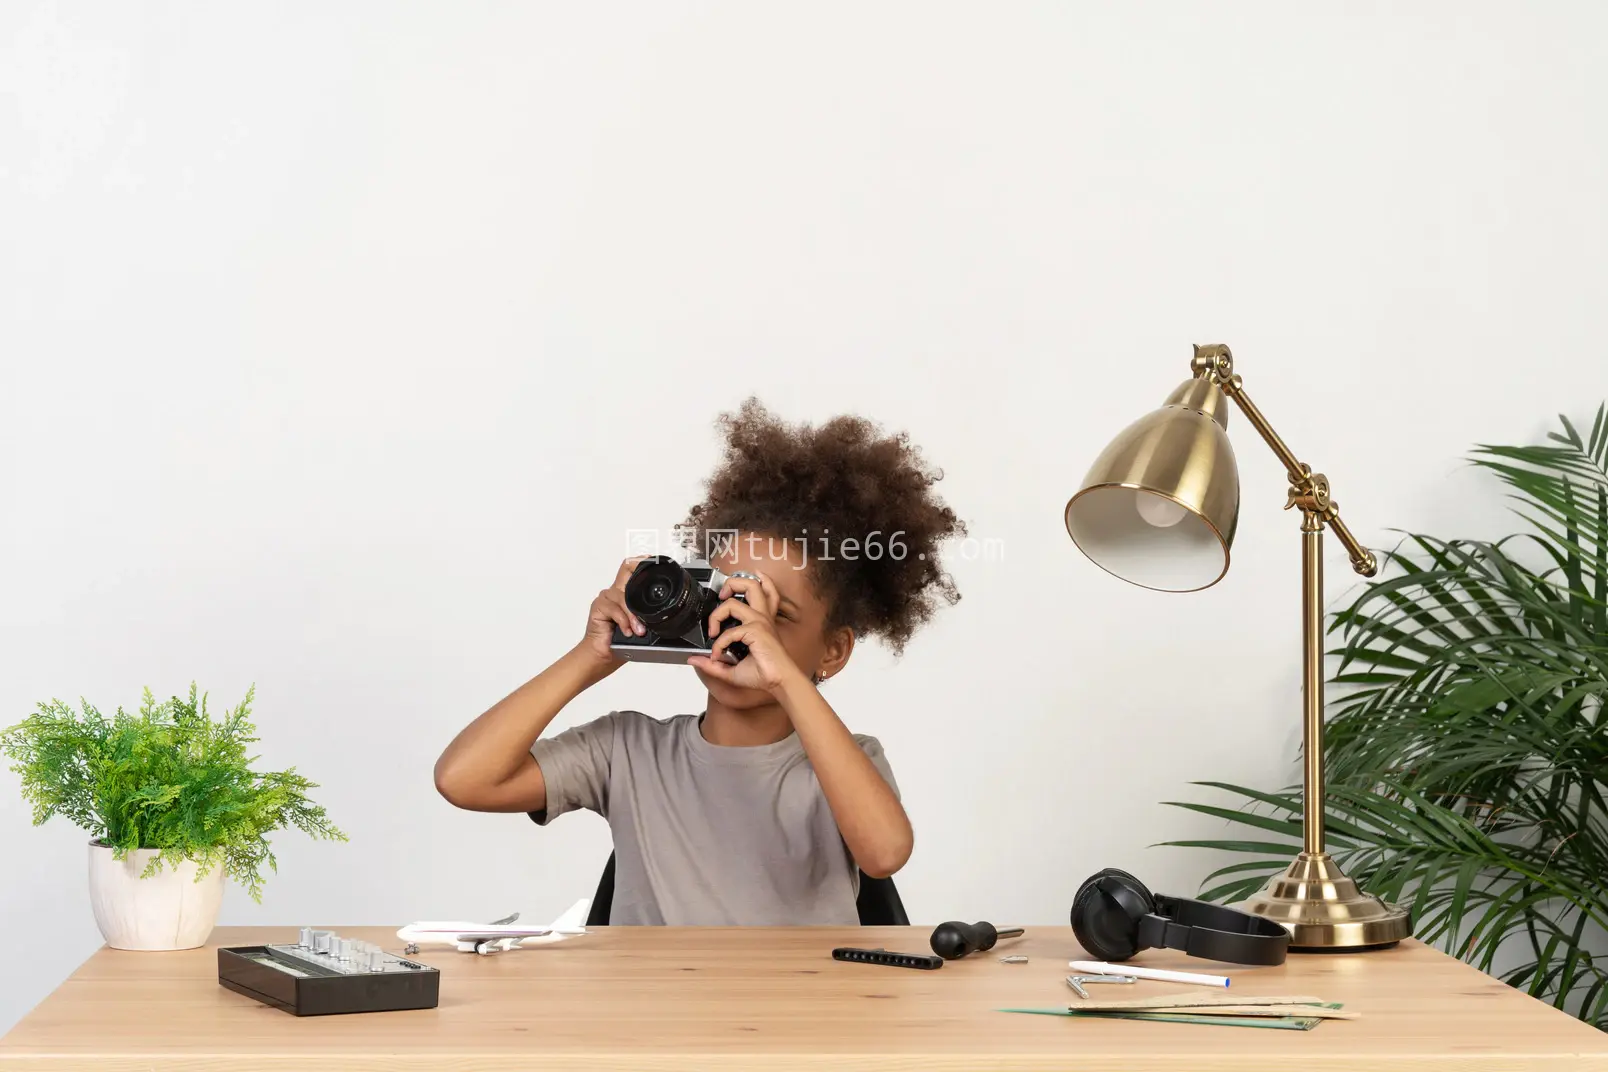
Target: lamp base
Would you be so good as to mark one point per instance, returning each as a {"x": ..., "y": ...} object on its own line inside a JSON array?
[{"x": 1325, "y": 911}]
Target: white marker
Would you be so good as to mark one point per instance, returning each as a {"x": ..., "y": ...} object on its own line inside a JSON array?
[{"x": 1096, "y": 967}]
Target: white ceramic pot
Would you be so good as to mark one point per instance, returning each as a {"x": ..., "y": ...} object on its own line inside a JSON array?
[{"x": 169, "y": 910}]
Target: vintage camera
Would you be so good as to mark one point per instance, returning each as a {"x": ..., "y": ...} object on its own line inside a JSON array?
[{"x": 673, "y": 601}]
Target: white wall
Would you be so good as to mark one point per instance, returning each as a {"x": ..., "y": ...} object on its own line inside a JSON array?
[{"x": 340, "y": 345}]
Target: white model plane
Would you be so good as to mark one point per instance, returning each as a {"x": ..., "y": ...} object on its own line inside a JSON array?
[{"x": 497, "y": 936}]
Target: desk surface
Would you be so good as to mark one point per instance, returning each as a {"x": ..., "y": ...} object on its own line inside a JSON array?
[{"x": 667, "y": 998}]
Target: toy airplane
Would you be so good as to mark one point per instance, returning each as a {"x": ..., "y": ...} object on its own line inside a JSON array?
[{"x": 497, "y": 936}]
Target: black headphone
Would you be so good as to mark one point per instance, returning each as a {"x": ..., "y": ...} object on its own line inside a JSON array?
[{"x": 1114, "y": 916}]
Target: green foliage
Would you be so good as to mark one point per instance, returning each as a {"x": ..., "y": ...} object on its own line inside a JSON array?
[
  {"x": 170, "y": 779},
  {"x": 1466, "y": 754}
]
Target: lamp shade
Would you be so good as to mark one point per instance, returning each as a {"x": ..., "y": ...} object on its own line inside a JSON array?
[{"x": 1159, "y": 506}]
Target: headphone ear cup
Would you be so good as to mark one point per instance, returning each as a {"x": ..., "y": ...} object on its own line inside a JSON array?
[
  {"x": 1134, "y": 884},
  {"x": 1107, "y": 926}
]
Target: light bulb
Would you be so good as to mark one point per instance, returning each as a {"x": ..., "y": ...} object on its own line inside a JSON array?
[{"x": 1162, "y": 513}]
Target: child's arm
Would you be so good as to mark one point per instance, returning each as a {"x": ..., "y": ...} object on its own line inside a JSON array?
[
  {"x": 868, "y": 812},
  {"x": 489, "y": 766}
]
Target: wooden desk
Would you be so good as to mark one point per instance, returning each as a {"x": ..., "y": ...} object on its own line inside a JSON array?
[{"x": 655, "y": 999}]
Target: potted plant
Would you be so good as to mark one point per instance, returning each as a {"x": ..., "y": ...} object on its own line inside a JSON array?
[{"x": 172, "y": 805}]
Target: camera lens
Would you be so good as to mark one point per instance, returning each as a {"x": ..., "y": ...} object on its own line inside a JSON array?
[{"x": 661, "y": 594}]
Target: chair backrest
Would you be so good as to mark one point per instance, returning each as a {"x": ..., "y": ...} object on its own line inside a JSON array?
[
  {"x": 878, "y": 905},
  {"x": 603, "y": 899}
]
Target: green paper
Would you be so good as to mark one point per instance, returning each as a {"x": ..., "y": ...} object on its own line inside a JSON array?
[{"x": 1283, "y": 1023}]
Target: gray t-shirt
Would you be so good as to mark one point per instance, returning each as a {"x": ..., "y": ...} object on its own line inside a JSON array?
[{"x": 706, "y": 834}]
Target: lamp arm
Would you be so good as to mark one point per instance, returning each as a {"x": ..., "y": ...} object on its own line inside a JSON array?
[{"x": 1308, "y": 490}]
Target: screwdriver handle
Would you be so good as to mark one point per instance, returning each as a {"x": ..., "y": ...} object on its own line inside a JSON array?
[{"x": 954, "y": 939}]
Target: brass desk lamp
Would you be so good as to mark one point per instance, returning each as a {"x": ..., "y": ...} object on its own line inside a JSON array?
[{"x": 1158, "y": 509}]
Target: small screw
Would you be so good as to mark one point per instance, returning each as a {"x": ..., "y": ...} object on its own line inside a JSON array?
[{"x": 411, "y": 948}]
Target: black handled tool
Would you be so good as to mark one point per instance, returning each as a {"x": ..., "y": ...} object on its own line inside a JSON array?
[{"x": 952, "y": 940}]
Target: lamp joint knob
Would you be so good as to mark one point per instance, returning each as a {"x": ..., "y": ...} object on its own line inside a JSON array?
[
  {"x": 1215, "y": 362},
  {"x": 1312, "y": 497}
]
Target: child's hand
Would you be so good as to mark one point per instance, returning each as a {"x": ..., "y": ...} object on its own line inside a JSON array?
[
  {"x": 607, "y": 611},
  {"x": 767, "y": 665}
]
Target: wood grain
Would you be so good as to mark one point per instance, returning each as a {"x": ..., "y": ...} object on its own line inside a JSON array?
[{"x": 649, "y": 999}]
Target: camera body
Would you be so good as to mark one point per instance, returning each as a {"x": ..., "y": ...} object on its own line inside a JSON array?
[{"x": 673, "y": 601}]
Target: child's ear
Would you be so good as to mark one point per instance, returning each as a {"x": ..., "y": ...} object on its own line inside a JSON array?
[{"x": 839, "y": 646}]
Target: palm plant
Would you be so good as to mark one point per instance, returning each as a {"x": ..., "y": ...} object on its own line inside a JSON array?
[{"x": 1467, "y": 746}]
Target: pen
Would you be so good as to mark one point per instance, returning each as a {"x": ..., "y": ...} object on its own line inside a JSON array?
[{"x": 1095, "y": 967}]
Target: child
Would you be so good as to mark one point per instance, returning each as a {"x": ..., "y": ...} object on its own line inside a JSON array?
[{"x": 763, "y": 809}]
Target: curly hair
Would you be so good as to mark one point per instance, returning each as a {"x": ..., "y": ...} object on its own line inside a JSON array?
[{"x": 843, "y": 480}]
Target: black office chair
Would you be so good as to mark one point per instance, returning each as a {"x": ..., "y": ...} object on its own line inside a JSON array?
[{"x": 878, "y": 904}]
